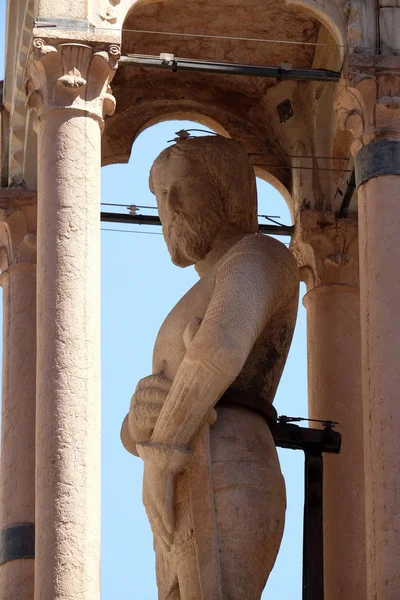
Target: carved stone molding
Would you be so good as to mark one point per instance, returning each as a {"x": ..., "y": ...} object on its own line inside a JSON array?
[
  {"x": 18, "y": 216},
  {"x": 326, "y": 249},
  {"x": 369, "y": 102},
  {"x": 72, "y": 75}
]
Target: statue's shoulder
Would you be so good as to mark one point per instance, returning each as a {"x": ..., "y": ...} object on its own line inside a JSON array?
[
  {"x": 260, "y": 256},
  {"x": 258, "y": 246}
]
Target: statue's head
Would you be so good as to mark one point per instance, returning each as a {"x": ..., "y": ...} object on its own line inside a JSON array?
[{"x": 203, "y": 186}]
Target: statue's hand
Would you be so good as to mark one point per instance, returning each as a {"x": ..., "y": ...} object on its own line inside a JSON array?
[
  {"x": 144, "y": 410},
  {"x": 161, "y": 466}
]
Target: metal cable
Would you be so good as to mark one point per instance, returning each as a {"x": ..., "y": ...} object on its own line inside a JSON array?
[
  {"x": 131, "y": 231},
  {"x": 204, "y": 35},
  {"x": 127, "y": 205},
  {"x": 305, "y": 156},
  {"x": 303, "y": 168},
  {"x": 269, "y": 217},
  {"x": 153, "y": 233}
]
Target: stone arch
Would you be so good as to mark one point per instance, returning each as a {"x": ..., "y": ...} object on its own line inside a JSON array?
[
  {"x": 197, "y": 117},
  {"x": 219, "y": 126},
  {"x": 329, "y": 13},
  {"x": 266, "y": 176}
]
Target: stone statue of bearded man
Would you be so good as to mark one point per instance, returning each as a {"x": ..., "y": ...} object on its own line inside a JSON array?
[{"x": 213, "y": 488}]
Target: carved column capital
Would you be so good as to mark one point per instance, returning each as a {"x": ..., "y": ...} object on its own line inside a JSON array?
[
  {"x": 72, "y": 75},
  {"x": 326, "y": 249},
  {"x": 369, "y": 101},
  {"x": 17, "y": 228}
]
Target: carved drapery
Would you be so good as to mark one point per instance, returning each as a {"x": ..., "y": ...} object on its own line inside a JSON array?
[{"x": 71, "y": 75}]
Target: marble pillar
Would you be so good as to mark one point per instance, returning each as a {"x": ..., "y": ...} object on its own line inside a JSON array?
[
  {"x": 327, "y": 249},
  {"x": 17, "y": 467},
  {"x": 369, "y": 107},
  {"x": 69, "y": 88}
]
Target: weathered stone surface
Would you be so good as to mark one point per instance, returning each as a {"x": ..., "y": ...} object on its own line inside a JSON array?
[
  {"x": 17, "y": 457},
  {"x": 326, "y": 248},
  {"x": 214, "y": 492}
]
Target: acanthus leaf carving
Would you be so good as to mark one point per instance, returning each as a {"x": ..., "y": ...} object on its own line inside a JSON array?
[
  {"x": 369, "y": 101},
  {"x": 72, "y": 75},
  {"x": 17, "y": 228},
  {"x": 326, "y": 248}
]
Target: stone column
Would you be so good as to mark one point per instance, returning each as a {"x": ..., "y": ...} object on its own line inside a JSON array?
[
  {"x": 17, "y": 467},
  {"x": 69, "y": 88},
  {"x": 369, "y": 106},
  {"x": 327, "y": 249}
]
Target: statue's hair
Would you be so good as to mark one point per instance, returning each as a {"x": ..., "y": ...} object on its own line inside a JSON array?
[{"x": 229, "y": 168}]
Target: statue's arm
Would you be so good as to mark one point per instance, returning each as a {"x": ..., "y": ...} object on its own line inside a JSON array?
[{"x": 252, "y": 283}]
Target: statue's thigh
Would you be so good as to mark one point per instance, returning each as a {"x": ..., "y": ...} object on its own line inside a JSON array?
[
  {"x": 250, "y": 527},
  {"x": 188, "y": 576},
  {"x": 167, "y": 579},
  {"x": 250, "y": 503}
]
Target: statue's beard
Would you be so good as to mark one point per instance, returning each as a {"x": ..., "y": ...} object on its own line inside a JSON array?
[{"x": 189, "y": 238}]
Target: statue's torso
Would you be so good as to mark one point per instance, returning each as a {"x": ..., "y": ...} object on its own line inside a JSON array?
[{"x": 263, "y": 368}]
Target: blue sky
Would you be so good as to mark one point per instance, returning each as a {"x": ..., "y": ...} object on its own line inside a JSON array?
[{"x": 139, "y": 287}]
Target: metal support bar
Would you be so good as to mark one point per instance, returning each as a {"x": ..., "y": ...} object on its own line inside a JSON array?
[
  {"x": 348, "y": 196},
  {"x": 309, "y": 440},
  {"x": 313, "y": 533},
  {"x": 186, "y": 64},
  {"x": 109, "y": 217},
  {"x": 314, "y": 442}
]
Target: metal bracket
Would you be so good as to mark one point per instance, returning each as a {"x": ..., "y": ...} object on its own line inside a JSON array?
[
  {"x": 376, "y": 159},
  {"x": 314, "y": 442},
  {"x": 16, "y": 542}
]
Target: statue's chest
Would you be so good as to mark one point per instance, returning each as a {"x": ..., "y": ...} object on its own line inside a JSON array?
[{"x": 169, "y": 348}]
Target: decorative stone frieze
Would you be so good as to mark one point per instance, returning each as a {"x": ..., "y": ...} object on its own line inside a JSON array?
[
  {"x": 72, "y": 75},
  {"x": 17, "y": 228},
  {"x": 369, "y": 102},
  {"x": 326, "y": 249}
]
